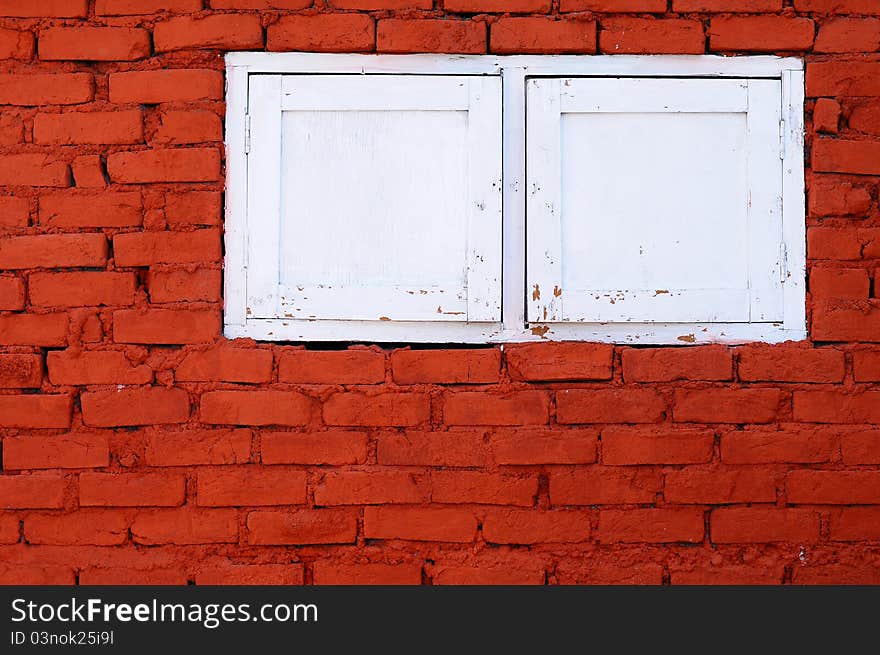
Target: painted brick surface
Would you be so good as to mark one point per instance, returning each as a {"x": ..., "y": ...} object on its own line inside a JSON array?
[{"x": 140, "y": 446}]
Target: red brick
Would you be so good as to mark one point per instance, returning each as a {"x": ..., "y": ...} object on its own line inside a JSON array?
[
  {"x": 184, "y": 127},
  {"x": 169, "y": 85},
  {"x": 446, "y": 366},
  {"x": 593, "y": 573},
  {"x": 837, "y": 283},
  {"x": 843, "y": 78},
  {"x": 420, "y": 524},
  {"x": 143, "y": 7},
  {"x": 400, "y": 409},
  {"x": 729, "y": 575},
  {"x": 481, "y": 408},
  {"x": 147, "y": 248},
  {"x": 623, "y": 446},
  {"x": 75, "y": 450},
  {"x": 484, "y": 6},
  {"x": 651, "y": 525},
  {"x": 34, "y": 330},
  {"x": 503, "y": 573},
  {"x": 86, "y": 327},
  {"x": 355, "y": 366},
  {"x": 375, "y": 5},
  {"x": 250, "y": 486},
  {"x": 95, "y": 367},
  {"x": 645, "y": 35},
  {"x": 45, "y": 8},
  {"x": 35, "y": 411},
  {"x": 255, "y": 408},
  {"x": 790, "y": 364},
  {"x": 88, "y": 172},
  {"x": 53, "y": 251},
  {"x": 180, "y": 285},
  {"x": 165, "y": 326},
  {"x": 31, "y": 491},
  {"x": 221, "y": 31},
  {"x": 16, "y": 45},
  {"x": 836, "y": 574},
  {"x": 142, "y": 406},
  {"x": 861, "y": 447},
  {"x": 164, "y": 165},
  {"x": 844, "y": 324},
  {"x": 116, "y": 576},
  {"x": 191, "y": 447},
  {"x": 484, "y": 488},
  {"x": 332, "y": 573},
  {"x": 11, "y": 293},
  {"x": 855, "y": 524},
  {"x": 833, "y": 243},
  {"x": 614, "y": 6},
  {"x": 9, "y": 529},
  {"x": 795, "y": 446},
  {"x": 453, "y": 448},
  {"x": 727, "y": 405},
  {"x": 251, "y": 574},
  {"x": 89, "y": 127},
  {"x": 14, "y": 212},
  {"x": 193, "y": 208},
  {"x": 403, "y": 35},
  {"x": 837, "y": 407},
  {"x": 37, "y": 89},
  {"x": 519, "y": 526},
  {"x": 83, "y": 527},
  {"x": 840, "y": 199},
  {"x": 106, "y": 209},
  {"x": 761, "y": 33},
  {"x": 865, "y": 118},
  {"x": 94, "y": 43},
  {"x": 599, "y": 485},
  {"x": 185, "y": 526},
  {"x": 756, "y": 525},
  {"x": 154, "y": 489},
  {"x": 750, "y": 6},
  {"x": 322, "y": 33},
  {"x": 261, "y": 4},
  {"x": 609, "y": 406},
  {"x": 833, "y": 487},
  {"x": 837, "y": 155},
  {"x": 226, "y": 364},
  {"x": 838, "y": 6},
  {"x": 375, "y": 487},
  {"x": 20, "y": 371},
  {"x": 670, "y": 364},
  {"x": 333, "y": 447},
  {"x": 527, "y": 446},
  {"x": 542, "y": 35},
  {"x": 81, "y": 288},
  {"x": 11, "y": 127},
  {"x": 36, "y": 574},
  {"x": 559, "y": 361},
  {"x": 305, "y": 526},
  {"x": 848, "y": 35},
  {"x": 717, "y": 487},
  {"x": 33, "y": 170}
]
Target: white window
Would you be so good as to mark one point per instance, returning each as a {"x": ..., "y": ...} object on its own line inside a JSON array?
[{"x": 645, "y": 199}]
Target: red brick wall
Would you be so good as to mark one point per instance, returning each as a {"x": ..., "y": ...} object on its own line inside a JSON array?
[{"x": 139, "y": 446}]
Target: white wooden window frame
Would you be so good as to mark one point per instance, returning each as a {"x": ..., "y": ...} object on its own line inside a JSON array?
[
  {"x": 550, "y": 98},
  {"x": 337, "y": 305},
  {"x": 515, "y": 71}
]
